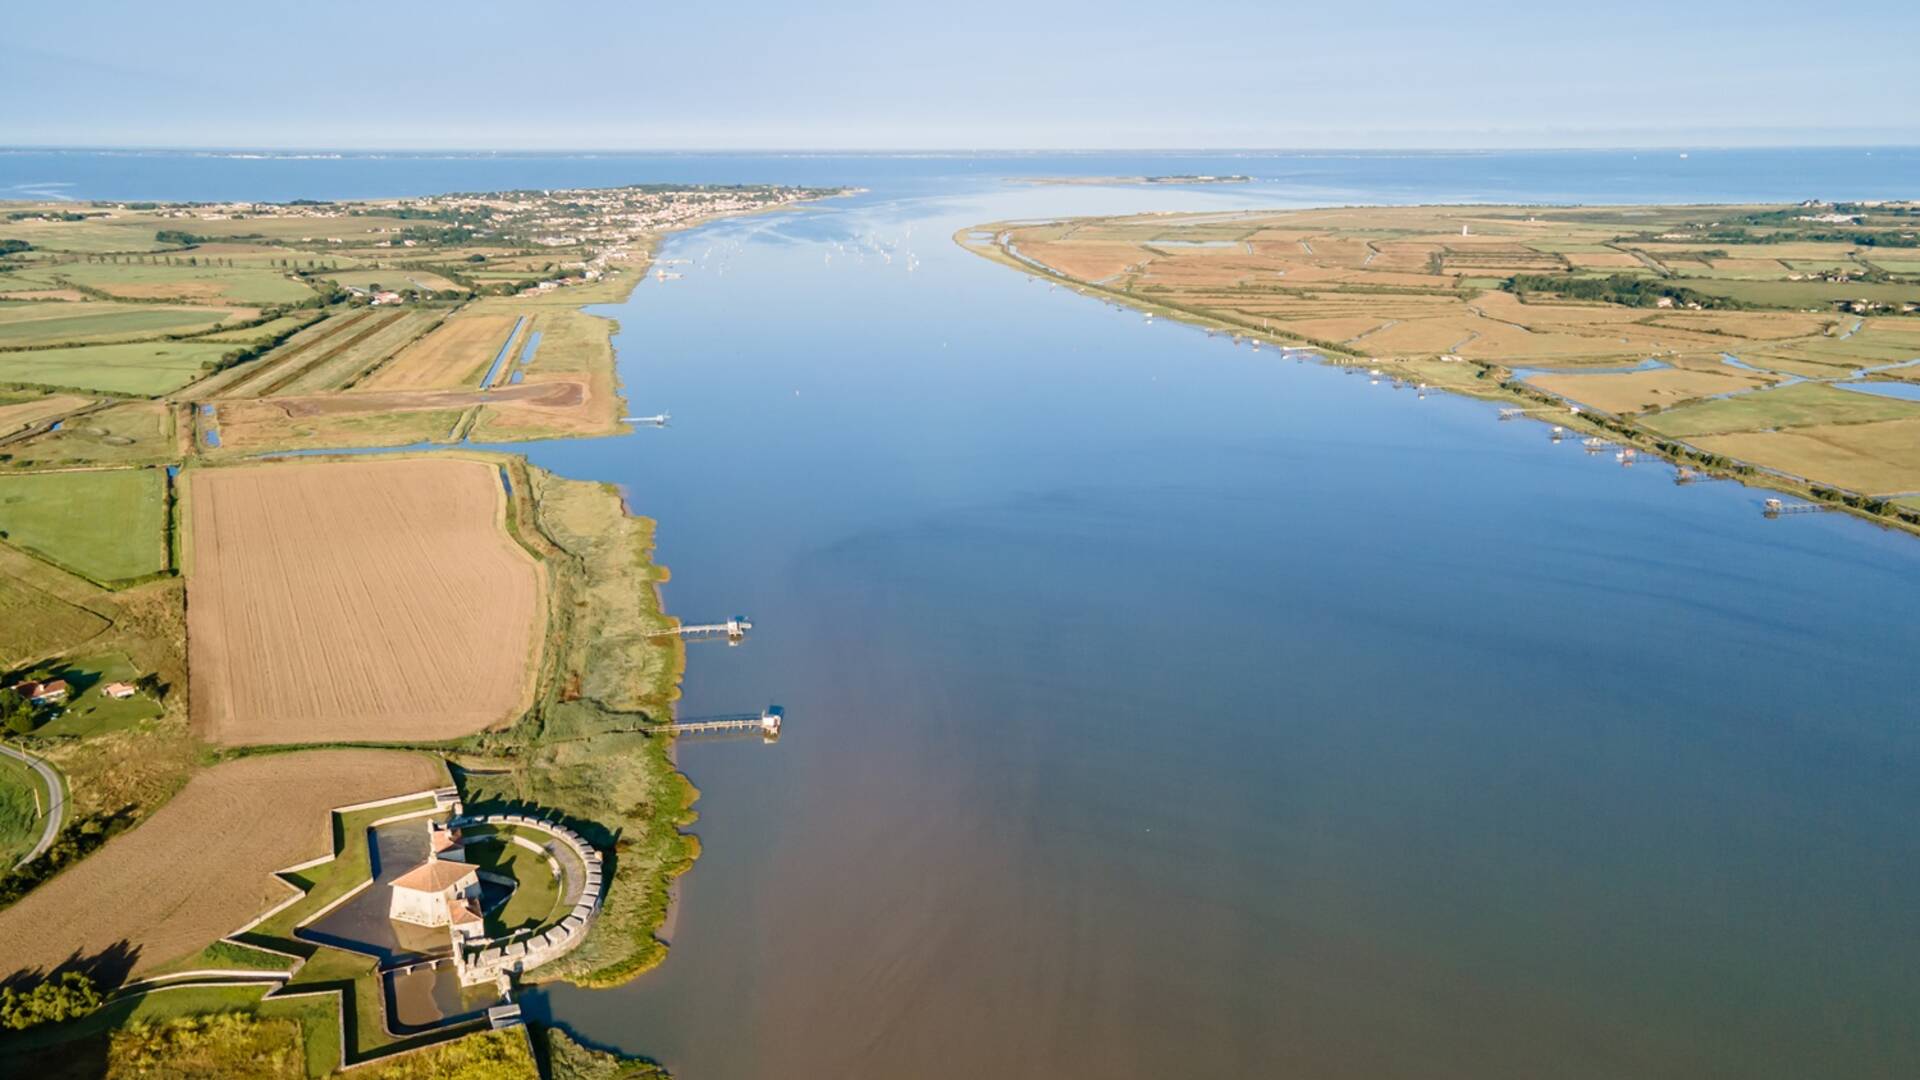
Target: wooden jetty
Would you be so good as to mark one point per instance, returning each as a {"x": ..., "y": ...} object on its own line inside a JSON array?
[
  {"x": 1774, "y": 508},
  {"x": 766, "y": 723},
  {"x": 734, "y": 628}
]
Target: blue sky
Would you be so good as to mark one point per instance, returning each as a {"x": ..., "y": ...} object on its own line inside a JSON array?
[{"x": 978, "y": 74}]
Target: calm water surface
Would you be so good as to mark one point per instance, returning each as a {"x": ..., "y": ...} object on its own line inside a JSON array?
[{"x": 1164, "y": 708}]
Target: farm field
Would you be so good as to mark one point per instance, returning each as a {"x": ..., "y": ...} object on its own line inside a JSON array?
[
  {"x": 350, "y": 360},
  {"x": 109, "y": 231},
  {"x": 265, "y": 331},
  {"x": 204, "y": 863},
  {"x": 1785, "y": 406},
  {"x": 1627, "y": 392},
  {"x": 1881, "y": 458},
  {"x": 52, "y": 321},
  {"x": 363, "y": 600},
  {"x": 455, "y": 355},
  {"x": 39, "y": 622},
  {"x": 142, "y": 369},
  {"x": 326, "y": 356},
  {"x": 321, "y": 423},
  {"x": 221, "y": 284},
  {"x": 19, "y": 412},
  {"x": 394, "y": 279},
  {"x": 127, "y": 433},
  {"x": 107, "y": 525},
  {"x": 256, "y": 376}
]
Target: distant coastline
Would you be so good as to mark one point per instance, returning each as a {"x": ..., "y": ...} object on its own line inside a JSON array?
[
  {"x": 1475, "y": 299},
  {"x": 1181, "y": 179}
]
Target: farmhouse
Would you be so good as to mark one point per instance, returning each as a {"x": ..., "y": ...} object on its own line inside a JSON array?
[
  {"x": 440, "y": 891},
  {"x": 119, "y": 690},
  {"x": 42, "y": 693}
]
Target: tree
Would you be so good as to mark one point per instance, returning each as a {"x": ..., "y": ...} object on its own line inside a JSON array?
[
  {"x": 70, "y": 996},
  {"x": 16, "y": 712}
]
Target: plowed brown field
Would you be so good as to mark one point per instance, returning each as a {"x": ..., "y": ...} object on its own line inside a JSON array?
[
  {"x": 203, "y": 865},
  {"x": 357, "y": 600}
]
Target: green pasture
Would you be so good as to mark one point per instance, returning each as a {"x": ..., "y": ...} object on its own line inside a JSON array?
[
  {"x": 92, "y": 236},
  {"x": 49, "y": 322},
  {"x": 396, "y": 279},
  {"x": 142, "y": 367},
  {"x": 108, "y": 525},
  {"x": 235, "y": 284},
  {"x": 1788, "y": 406},
  {"x": 1799, "y": 294}
]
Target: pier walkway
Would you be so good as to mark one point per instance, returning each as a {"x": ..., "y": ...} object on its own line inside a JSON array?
[
  {"x": 1775, "y": 508},
  {"x": 735, "y": 627},
  {"x": 767, "y": 723}
]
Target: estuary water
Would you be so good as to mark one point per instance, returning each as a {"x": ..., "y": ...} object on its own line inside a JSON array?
[{"x": 1161, "y": 707}]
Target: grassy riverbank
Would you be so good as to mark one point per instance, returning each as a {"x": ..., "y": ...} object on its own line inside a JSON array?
[{"x": 584, "y": 750}]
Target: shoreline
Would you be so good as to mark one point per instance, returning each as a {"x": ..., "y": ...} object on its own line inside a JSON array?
[{"x": 1495, "y": 383}]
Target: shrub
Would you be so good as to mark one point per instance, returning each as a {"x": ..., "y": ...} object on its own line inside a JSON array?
[{"x": 69, "y": 997}]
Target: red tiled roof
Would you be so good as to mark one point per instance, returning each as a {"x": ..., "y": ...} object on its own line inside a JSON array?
[{"x": 434, "y": 875}]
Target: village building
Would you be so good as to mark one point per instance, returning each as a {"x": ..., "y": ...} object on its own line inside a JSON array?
[
  {"x": 443, "y": 891},
  {"x": 43, "y": 693}
]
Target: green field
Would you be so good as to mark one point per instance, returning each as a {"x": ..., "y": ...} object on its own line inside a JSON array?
[
  {"x": 28, "y": 280},
  {"x": 93, "y": 235},
  {"x": 90, "y": 711},
  {"x": 130, "y": 433},
  {"x": 19, "y": 810},
  {"x": 47, "y": 322},
  {"x": 269, "y": 329},
  {"x": 1819, "y": 295},
  {"x": 107, "y": 525},
  {"x": 1788, "y": 406},
  {"x": 393, "y": 278},
  {"x": 141, "y": 368},
  {"x": 38, "y": 623},
  {"x": 156, "y": 281}
]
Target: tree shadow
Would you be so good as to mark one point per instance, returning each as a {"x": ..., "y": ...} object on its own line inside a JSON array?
[
  {"x": 108, "y": 968},
  {"x": 79, "y": 1047}
]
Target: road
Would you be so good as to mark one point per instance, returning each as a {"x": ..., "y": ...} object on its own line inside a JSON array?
[{"x": 56, "y": 802}]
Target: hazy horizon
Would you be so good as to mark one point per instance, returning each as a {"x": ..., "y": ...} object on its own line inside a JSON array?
[
  {"x": 1056, "y": 77},
  {"x": 292, "y": 150}
]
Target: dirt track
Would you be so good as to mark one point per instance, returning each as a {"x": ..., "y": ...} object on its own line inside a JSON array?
[
  {"x": 202, "y": 866},
  {"x": 367, "y": 600}
]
